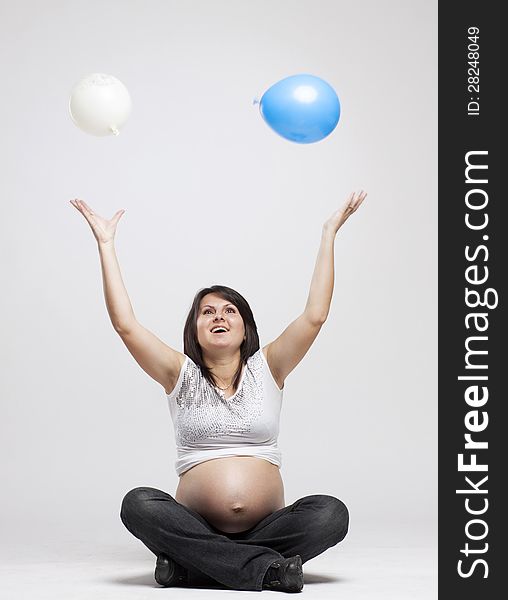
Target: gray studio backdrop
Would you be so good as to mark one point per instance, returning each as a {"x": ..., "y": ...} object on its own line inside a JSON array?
[{"x": 212, "y": 195}]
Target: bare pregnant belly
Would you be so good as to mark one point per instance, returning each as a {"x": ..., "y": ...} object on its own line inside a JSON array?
[{"x": 233, "y": 493}]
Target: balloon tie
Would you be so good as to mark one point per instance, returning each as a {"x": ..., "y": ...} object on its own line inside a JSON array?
[{"x": 114, "y": 130}]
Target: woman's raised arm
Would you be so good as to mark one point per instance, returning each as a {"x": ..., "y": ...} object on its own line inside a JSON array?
[
  {"x": 321, "y": 287},
  {"x": 284, "y": 353},
  {"x": 117, "y": 300},
  {"x": 155, "y": 357}
]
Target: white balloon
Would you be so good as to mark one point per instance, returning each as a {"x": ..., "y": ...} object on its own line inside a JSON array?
[{"x": 100, "y": 104}]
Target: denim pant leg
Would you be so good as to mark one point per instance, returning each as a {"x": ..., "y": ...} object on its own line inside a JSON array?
[
  {"x": 307, "y": 527},
  {"x": 166, "y": 526}
]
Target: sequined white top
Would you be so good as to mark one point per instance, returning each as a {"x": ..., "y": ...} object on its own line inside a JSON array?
[{"x": 208, "y": 426}]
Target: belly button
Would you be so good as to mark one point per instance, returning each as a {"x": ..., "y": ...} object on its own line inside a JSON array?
[{"x": 237, "y": 508}]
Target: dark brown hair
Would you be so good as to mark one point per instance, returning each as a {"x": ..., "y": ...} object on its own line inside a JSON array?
[{"x": 249, "y": 346}]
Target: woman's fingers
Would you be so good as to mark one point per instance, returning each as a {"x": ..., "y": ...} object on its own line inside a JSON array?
[
  {"x": 79, "y": 205},
  {"x": 83, "y": 207},
  {"x": 349, "y": 207},
  {"x": 355, "y": 201},
  {"x": 86, "y": 207},
  {"x": 346, "y": 208},
  {"x": 359, "y": 199}
]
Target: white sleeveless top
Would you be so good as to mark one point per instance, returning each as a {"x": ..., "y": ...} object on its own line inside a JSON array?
[{"x": 208, "y": 426}]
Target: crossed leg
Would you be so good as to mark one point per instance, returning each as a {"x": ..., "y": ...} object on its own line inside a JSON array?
[{"x": 239, "y": 561}]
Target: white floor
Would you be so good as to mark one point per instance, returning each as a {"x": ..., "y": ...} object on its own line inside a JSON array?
[{"x": 78, "y": 570}]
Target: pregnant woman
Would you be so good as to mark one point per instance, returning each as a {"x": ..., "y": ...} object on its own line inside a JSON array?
[{"x": 227, "y": 524}]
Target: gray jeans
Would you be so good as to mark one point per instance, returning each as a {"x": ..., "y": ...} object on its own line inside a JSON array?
[{"x": 235, "y": 560}]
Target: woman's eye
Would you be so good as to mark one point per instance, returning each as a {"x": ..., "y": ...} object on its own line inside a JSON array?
[{"x": 208, "y": 310}]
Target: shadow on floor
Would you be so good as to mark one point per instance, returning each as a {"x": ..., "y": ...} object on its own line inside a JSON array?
[
  {"x": 310, "y": 578},
  {"x": 148, "y": 580}
]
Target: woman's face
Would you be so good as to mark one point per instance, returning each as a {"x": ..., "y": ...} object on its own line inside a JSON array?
[{"x": 217, "y": 314}]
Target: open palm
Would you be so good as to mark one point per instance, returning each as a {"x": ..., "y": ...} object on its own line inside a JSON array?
[
  {"x": 339, "y": 217},
  {"x": 103, "y": 230}
]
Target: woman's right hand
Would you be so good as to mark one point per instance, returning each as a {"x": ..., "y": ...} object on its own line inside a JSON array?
[{"x": 103, "y": 230}]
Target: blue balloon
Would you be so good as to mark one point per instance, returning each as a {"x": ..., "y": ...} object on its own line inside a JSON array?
[{"x": 301, "y": 108}]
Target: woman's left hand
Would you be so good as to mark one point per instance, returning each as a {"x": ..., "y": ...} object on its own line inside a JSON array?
[{"x": 340, "y": 216}]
